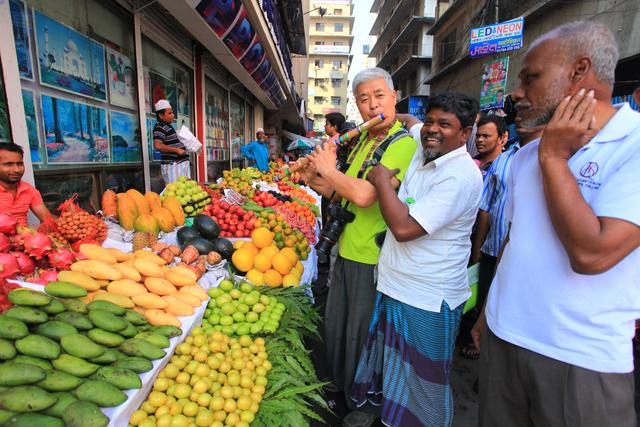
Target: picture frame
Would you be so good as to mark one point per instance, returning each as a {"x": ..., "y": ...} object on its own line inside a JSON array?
[
  {"x": 126, "y": 143},
  {"x": 22, "y": 38},
  {"x": 32, "y": 121},
  {"x": 122, "y": 80}
]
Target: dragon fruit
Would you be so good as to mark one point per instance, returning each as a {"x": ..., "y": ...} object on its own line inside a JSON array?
[
  {"x": 5, "y": 243},
  {"x": 26, "y": 264},
  {"x": 61, "y": 258},
  {"x": 8, "y": 224},
  {"x": 37, "y": 245},
  {"x": 49, "y": 275},
  {"x": 9, "y": 267}
]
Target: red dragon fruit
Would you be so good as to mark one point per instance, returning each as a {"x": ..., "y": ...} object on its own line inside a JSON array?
[
  {"x": 49, "y": 275},
  {"x": 5, "y": 243},
  {"x": 26, "y": 264},
  {"x": 61, "y": 258},
  {"x": 8, "y": 224},
  {"x": 37, "y": 245},
  {"x": 37, "y": 280},
  {"x": 9, "y": 267}
]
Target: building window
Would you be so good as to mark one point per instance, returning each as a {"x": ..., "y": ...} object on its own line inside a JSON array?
[
  {"x": 448, "y": 47},
  {"x": 319, "y": 43},
  {"x": 337, "y": 65},
  {"x": 338, "y": 28},
  {"x": 319, "y": 26},
  {"x": 365, "y": 49},
  {"x": 319, "y": 63},
  {"x": 337, "y": 12},
  {"x": 319, "y": 82},
  {"x": 338, "y": 43},
  {"x": 336, "y": 82},
  {"x": 318, "y": 100},
  {"x": 335, "y": 100}
]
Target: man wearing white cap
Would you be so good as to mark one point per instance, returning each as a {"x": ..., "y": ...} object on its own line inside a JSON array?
[
  {"x": 175, "y": 160},
  {"x": 257, "y": 151}
]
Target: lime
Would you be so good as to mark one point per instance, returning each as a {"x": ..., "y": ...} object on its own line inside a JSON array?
[
  {"x": 239, "y": 317},
  {"x": 226, "y": 285},
  {"x": 252, "y": 317}
]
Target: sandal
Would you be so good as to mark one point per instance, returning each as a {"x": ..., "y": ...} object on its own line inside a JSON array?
[{"x": 470, "y": 351}]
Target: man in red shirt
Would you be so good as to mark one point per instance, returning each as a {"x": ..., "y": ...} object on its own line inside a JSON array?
[{"x": 17, "y": 196}]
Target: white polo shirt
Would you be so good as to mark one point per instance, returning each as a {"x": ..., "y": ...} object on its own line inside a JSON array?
[
  {"x": 536, "y": 300},
  {"x": 443, "y": 197}
]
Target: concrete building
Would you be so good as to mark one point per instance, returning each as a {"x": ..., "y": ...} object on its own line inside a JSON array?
[
  {"x": 454, "y": 69},
  {"x": 353, "y": 115},
  {"x": 403, "y": 47},
  {"x": 330, "y": 41}
]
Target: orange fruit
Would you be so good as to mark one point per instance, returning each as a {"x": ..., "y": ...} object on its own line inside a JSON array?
[
  {"x": 242, "y": 259},
  {"x": 256, "y": 277},
  {"x": 290, "y": 280},
  {"x": 262, "y": 262},
  {"x": 272, "y": 278},
  {"x": 238, "y": 243},
  {"x": 290, "y": 254},
  {"x": 281, "y": 264},
  {"x": 251, "y": 247},
  {"x": 269, "y": 251},
  {"x": 299, "y": 266},
  {"x": 261, "y": 237},
  {"x": 296, "y": 272}
]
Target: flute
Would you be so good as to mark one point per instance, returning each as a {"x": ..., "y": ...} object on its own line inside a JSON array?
[{"x": 342, "y": 139}]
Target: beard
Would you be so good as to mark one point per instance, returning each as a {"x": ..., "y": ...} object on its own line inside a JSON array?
[
  {"x": 430, "y": 154},
  {"x": 532, "y": 117}
]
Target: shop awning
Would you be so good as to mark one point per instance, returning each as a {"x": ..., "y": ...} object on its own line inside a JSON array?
[{"x": 298, "y": 141}]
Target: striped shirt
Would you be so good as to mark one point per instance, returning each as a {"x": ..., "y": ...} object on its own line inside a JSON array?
[
  {"x": 166, "y": 134},
  {"x": 494, "y": 198},
  {"x": 27, "y": 197}
]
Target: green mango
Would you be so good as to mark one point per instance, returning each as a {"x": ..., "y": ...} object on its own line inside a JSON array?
[
  {"x": 55, "y": 329},
  {"x": 109, "y": 339},
  {"x": 32, "y": 420},
  {"x": 156, "y": 339},
  {"x": 38, "y": 346},
  {"x": 12, "y": 374},
  {"x": 135, "y": 318},
  {"x": 108, "y": 357},
  {"x": 64, "y": 399},
  {"x": 106, "y": 305},
  {"x": 27, "y": 315},
  {"x": 122, "y": 378},
  {"x": 26, "y": 398},
  {"x": 77, "y": 320},
  {"x": 35, "y": 361},
  {"x": 130, "y": 331},
  {"x": 7, "y": 350},
  {"x": 84, "y": 414},
  {"x": 5, "y": 416},
  {"x": 106, "y": 320},
  {"x": 80, "y": 346},
  {"x": 168, "y": 331},
  {"x": 12, "y": 329},
  {"x": 74, "y": 305},
  {"x": 102, "y": 393},
  {"x": 136, "y": 364},
  {"x": 65, "y": 290},
  {"x": 74, "y": 365},
  {"x": 141, "y": 348},
  {"x": 29, "y": 297},
  {"x": 54, "y": 307},
  {"x": 59, "y": 381}
]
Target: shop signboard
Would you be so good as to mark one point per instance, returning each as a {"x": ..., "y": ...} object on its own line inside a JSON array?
[
  {"x": 122, "y": 80},
  {"x": 162, "y": 88},
  {"x": 239, "y": 38},
  {"x": 74, "y": 132},
  {"x": 125, "y": 138},
  {"x": 254, "y": 55},
  {"x": 496, "y": 38},
  {"x": 68, "y": 60},
  {"x": 262, "y": 72},
  {"x": 220, "y": 15},
  {"x": 494, "y": 83},
  {"x": 31, "y": 119},
  {"x": 417, "y": 106},
  {"x": 20, "y": 23}
]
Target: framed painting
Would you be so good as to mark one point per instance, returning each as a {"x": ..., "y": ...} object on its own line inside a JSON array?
[
  {"x": 122, "y": 80},
  {"x": 126, "y": 145},
  {"x": 31, "y": 117},
  {"x": 20, "y": 24}
]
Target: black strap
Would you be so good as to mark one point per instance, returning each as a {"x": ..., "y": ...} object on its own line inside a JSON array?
[{"x": 377, "y": 155}]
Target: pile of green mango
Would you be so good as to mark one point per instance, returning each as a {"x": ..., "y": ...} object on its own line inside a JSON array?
[{"x": 61, "y": 359}]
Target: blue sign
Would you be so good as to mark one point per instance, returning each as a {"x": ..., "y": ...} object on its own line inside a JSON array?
[
  {"x": 417, "y": 106},
  {"x": 496, "y": 38}
]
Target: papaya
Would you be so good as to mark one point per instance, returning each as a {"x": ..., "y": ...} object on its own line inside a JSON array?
[
  {"x": 164, "y": 218},
  {"x": 127, "y": 211},
  {"x": 109, "y": 203},
  {"x": 174, "y": 206},
  {"x": 101, "y": 393},
  {"x": 146, "y": 223},
  {"x": 84, "y": 414},
  {"x": 153, "y": 199},
  {"x": 141, "y": 203}
]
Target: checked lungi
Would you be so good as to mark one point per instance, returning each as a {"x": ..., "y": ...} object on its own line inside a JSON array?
[
  {"x": 405, "y": 366},
  {"x": 172, "y": 171}
]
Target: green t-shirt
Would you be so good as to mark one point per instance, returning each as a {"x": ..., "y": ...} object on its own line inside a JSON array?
[{"x": 357, "y": 241}]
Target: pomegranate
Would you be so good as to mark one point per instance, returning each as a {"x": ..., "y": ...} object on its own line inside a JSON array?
[
  {"x": 9, "y": 267},
  {"x": 61, "y": 258},
  {"x": 5, "y": 243},
  {"x": 8, "y": 224},
  {"x": 26, "y": 264},
  {"x": 37, "y": 245}
]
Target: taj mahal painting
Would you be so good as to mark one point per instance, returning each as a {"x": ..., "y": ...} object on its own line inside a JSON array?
[{"x": 68, "y": 60}]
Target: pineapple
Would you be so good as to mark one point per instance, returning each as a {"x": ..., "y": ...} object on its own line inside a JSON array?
[{"x": 142, "y": 240}]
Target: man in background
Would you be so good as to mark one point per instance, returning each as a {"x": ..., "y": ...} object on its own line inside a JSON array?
[
  {"x": 491, "y": 136},
  {"x": 257, "y": 151},
  {"x": 174, "y": 162}
]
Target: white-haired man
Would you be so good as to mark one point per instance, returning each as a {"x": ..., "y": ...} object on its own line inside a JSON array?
[
  {"x": 352, "y": 293},
  {"x": 174, "y": 162},
  {"x": 562, "y": 306}
]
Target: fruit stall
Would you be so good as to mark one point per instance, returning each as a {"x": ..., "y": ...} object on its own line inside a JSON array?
[{"x": 185, "y": 308}]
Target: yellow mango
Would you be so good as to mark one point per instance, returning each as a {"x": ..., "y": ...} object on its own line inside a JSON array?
[
  {"x": 87, "y": 299},
  {"x": 161, "y": 318},
  {"x": 179, "y": 279},
  {"x": 185, "y": 271},
  {"x": 142, "y": 254},
  {"x": 79, "y": 278},
  {"x": 192, "y": 300},
  {"x": 140, "y": 310},
  {"x": 117, "y": 299},
  {"x": 159, "y": 286},
  {"x": 126, "y": 287},
  {"x": 103, "y": 283},
  {"x": 177, "y": 307},
  {"x": 128, "y": 271},
  {"x": 97, "y": 252},
  {"x": 120, "y": 256},
  {"x": 148, "y": 268},
  {"x": 196, "y": 291},
  {"x": 98, "y": 270},
  {"x": 149, "y": 301}
]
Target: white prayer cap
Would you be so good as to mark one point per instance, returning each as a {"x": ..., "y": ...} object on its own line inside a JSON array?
[
  {"x": 259, "y": 130},
  {"x": 162, "y": 104}
]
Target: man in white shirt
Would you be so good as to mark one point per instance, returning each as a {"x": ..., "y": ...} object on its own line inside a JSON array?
[
  {"x": 422, "y": 271},
  {"x": 562, "y": 306}
]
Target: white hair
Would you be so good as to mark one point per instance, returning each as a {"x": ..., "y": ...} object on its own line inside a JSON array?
[
  {"x": 586, "y": 39},
  {"x": 371, "y": 74}
]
